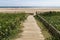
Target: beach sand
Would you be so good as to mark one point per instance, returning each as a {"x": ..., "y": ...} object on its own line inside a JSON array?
[{"x": 28, "y": 10}]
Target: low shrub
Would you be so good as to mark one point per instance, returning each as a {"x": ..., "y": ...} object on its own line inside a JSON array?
[{"x": 10, "y": 24}]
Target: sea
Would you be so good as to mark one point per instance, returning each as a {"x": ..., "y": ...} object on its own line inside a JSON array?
[{"x": 29, "y": 7}]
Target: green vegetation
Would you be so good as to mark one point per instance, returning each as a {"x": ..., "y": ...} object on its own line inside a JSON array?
[
  {"x": 44, "y": 30},
  {"x": 53, "y": 18},
  {"x": 10, "y": 24}
]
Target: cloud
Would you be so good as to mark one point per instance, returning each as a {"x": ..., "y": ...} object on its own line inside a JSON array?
[
  {"x": 29, "y": 2},
  {"x": 41, "y": 4},
  {"x": 9, "y": 2}
]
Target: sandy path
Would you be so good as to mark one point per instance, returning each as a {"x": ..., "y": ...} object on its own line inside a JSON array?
[{"x": 31, "y": 30}]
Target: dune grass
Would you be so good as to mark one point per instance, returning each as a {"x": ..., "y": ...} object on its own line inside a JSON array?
[
  {"x": 10, "y": 25},
  {"x": 44, "y": 30},
  {"x": 52, "y": 18}
]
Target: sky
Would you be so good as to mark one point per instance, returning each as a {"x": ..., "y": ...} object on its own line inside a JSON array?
[{"x": 29, "y": 2}]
